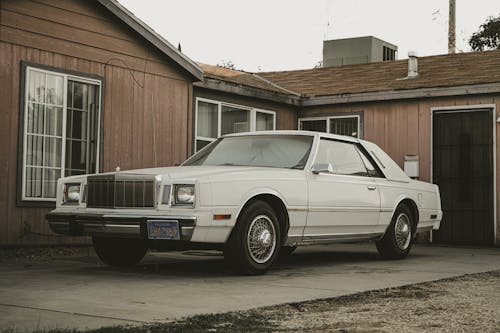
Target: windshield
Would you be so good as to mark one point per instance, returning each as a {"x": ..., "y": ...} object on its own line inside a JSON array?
[{"x": 276, "y": 151}]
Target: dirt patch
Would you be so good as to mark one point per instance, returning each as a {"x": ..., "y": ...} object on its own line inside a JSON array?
[
  {"x": 469, "y": 303},
  {"x": 465, "y": 304},
  {"x": 27, "y": 254}
]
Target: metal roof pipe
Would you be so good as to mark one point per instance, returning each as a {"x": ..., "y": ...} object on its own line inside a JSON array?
[{"x": 412, "y": 65}]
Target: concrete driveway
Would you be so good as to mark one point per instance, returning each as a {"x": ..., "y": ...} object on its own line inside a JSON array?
[{"x": 82, "y": 293}]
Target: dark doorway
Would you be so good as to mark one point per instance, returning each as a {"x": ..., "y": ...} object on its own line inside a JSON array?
[{"x": 462, "y": 166}]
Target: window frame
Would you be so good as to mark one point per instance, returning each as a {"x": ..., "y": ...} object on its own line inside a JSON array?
[
  {"x": 68, "y": 75},
  {"x": 328, "y": 119},
  {"x": 253, "y": 118},
  {"x": 355, "y": 146},
  {"x": 362, "y": 153}
]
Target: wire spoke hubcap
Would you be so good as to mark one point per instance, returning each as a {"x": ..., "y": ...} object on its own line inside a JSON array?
[
  {"x": 402, "y": 230},
  {"x": 261, "y": 239}
]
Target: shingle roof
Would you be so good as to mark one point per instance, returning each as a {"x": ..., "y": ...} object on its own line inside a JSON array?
[
  {"x": 240, "y": 77},
  {"x": 434, "y": 71}
]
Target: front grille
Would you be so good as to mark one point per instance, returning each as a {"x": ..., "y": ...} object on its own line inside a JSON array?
[{"x": 108, "y": 191}]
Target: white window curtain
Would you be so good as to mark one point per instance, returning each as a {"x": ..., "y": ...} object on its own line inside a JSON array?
[{"x": 60, "y": 130}]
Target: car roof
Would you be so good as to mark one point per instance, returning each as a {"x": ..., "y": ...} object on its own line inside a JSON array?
[
  {"x": 297, "y": 132},
  {"x": 387, "y": 165}
]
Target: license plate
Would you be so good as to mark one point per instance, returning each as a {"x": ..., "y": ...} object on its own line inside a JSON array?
[{"x": 163, "y": 230}]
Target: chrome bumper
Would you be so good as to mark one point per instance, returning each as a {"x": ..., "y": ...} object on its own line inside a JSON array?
[{"x": 114, "y": 225}]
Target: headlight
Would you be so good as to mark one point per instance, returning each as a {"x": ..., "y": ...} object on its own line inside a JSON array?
[
  {"x": 184, "y": 195},
  {"x": 71, "y": 193}
]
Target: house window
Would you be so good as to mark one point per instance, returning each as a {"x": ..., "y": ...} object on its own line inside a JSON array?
[
  {"x": 214, "y": 119},
  {"x": 345, "y": 126},
  {"x": 234, "y": 120},
  {"x": 341, "y": 125},
  {"x": 315, "y": 125},
  {"x": 61, "y": 126}
]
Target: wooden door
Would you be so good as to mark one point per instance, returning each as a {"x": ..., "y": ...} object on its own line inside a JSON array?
[{"x": 462, "y": 166}]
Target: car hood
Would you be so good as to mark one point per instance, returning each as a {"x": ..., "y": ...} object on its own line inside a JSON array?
[{"x": 196, "y": 172}]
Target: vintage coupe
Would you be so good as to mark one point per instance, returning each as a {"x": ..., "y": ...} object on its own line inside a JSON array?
[{"x": 253, "y": 196}]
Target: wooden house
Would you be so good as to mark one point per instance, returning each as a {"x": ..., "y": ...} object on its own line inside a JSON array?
[{"x": 85, "y": 87}]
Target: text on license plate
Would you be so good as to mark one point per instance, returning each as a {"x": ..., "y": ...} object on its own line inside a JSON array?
[{"x": 163, "y": 230}]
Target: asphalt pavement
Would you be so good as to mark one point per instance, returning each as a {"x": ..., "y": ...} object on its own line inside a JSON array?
[{"x": 80, "y": 292}]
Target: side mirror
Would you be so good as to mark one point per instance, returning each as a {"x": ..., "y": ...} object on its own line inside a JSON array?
[{"x": 322, "y": 168}]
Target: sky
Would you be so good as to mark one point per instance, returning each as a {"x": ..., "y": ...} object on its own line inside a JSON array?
[{"x": 268, "y": 35}]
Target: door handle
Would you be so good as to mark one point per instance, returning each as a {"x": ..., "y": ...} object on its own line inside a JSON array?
[{"x": 371, "y": 187}]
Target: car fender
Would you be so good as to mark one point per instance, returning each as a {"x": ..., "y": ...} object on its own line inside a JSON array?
[
  {"x": 260, "y": 191},
  {"x": 397, "y": 202}
]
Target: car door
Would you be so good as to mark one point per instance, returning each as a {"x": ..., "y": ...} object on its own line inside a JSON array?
[{"x": 345, "y": 200}]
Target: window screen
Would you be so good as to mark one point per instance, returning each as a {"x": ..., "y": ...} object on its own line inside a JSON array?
[{"x": 348, "y": 126}]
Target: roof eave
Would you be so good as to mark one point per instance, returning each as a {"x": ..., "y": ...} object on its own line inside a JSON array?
[
  {"x": 474, "y": 89},
  {"x": 248, "y": 91},
  {"x": 154, "y": 38}
]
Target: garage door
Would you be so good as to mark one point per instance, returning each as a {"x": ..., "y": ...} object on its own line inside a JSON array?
[{"x": 462, "y": 166}]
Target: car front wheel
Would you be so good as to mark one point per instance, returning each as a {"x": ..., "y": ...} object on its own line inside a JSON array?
[
  {"x": 255, "y": 241},
  {"x": 398, "y": 238},
  {"x": 119, "y": 252}
]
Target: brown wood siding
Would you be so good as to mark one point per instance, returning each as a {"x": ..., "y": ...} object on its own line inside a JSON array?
[
  {"x": 496, "y": 101},
  {"x": 399, "y": 127},
  {"x": 83, "y": 29},
  {"x": 404, "y": 127},
  {"x": 146, "y": 97}
]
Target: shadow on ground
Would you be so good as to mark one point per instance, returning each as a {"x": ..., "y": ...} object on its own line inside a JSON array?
[{"x": 210, "y": 264}]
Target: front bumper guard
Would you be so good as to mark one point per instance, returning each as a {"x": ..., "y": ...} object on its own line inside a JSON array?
[{"x": 73, "y": 224}]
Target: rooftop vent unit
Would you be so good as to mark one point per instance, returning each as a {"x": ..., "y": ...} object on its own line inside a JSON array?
[{"x": 359, "y": 50}]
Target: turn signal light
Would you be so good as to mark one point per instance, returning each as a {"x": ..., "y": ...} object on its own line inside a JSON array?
[{"x": 222, "y": 216}]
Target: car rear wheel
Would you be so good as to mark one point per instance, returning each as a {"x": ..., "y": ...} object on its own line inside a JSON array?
[
  {"x": 398, "y": 238},
  {"x": 255, "y": 241},
  {"x": 119, "y": 252}
]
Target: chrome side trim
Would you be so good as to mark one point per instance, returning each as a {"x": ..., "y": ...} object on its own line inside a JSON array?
[
  {"x": 339, "y": 238},
  {"x": 428, "y": 228},
  {"x": 293, "y": 240},
  {"x": 344, "y": 209},
  {"x": 341, "y": 209},
  {"x": 297, "y": 209}
]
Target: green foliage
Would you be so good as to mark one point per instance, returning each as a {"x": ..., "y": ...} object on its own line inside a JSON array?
[{"x": 488, "y": 36}]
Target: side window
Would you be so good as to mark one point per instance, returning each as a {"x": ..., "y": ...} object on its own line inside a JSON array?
[
  {"x": 343, "y": 156},
  {"x": 372, "y": 170}
]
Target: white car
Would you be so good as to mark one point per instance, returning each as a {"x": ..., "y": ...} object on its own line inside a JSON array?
[{"x": 252, "y": 196}]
